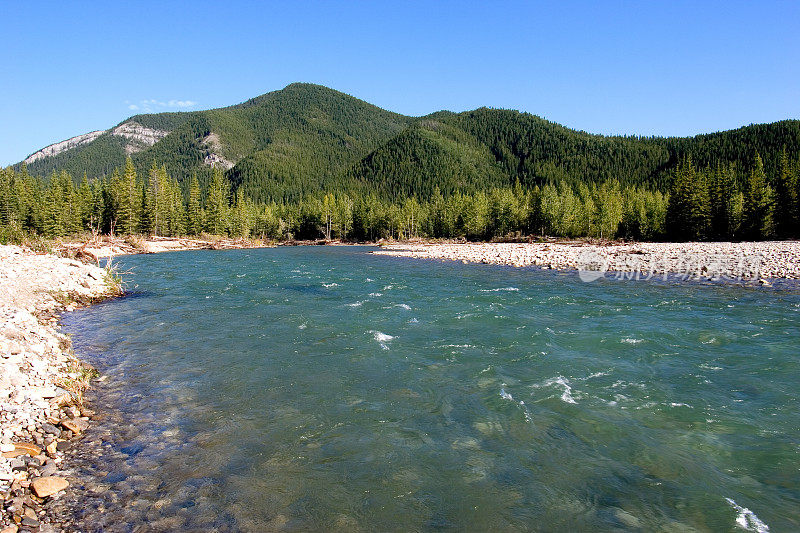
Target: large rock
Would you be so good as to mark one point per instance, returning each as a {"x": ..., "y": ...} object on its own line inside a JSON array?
[
  {"x": 23, "y": 448},
  {"x": 76, "y": 425},
  {"x": 48, "y": 485}
]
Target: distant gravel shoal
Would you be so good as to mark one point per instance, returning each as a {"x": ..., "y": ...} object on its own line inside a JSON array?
[{"x": 741, "y": 261}]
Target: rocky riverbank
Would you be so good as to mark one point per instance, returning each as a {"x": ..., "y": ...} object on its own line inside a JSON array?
[
  {"x": 93, "y": 248},
  {"x": 743, "y": 261},
  {"x": 41, "y": 381}
]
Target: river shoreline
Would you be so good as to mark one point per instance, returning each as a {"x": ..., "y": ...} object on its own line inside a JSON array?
[
  {"x": 104, "y": 246},
  {"x": 41, "y": 381},
  {"x": 99, "y": 247},
  {"x": 757, "y": 262}
]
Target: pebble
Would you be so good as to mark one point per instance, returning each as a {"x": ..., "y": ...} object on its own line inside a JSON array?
[
  {"x": 52, "y": 448},
  {"x": 50, "y": 429},
  {"x": 30, "y": 522},
  {"x": 49, "y": 469}
]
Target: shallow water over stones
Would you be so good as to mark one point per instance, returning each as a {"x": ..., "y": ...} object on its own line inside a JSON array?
[{"x": 327, "y": 389}]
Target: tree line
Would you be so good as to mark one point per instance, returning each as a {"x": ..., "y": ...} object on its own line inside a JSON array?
[
  {"x": 723, "y": 203},
  {"x": 707, "y": 203}
]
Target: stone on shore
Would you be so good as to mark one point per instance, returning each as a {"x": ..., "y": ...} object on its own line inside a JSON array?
[
  {"x": 48, "y": 485},
  {"x": 76, "y": 425},
  {"x": 52, "y": 448},
  {"x": 22, "y": 448}
]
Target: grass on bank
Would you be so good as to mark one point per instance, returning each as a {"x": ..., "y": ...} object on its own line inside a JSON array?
[
  {"x": 113, "y": 279},
  {"x": 77, "y": 381}
]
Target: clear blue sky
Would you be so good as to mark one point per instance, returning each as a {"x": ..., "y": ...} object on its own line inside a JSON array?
[{"x": 650, "y": 68}]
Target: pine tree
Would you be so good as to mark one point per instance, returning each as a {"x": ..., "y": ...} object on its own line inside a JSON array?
[
  {"x": 84, "y": 198},
  {"x": 145, "y": 211},
  {"x": 267, "y": 225},
  {"x": 129, "y": 202},
  {"x": 756, "y": 211},
  {"x": 7, "y": 199},
  {"x": 176, "y": 209},
  {"x": 163, "y": 205},
  {"x": 795, "y": 179},
  {"x": 61, "y": 185},
  {"x": 217, "y": 204},
  {"x": 721, "y": 194},
  {"x": 242, "y": 219},
  {"x": 688, "y": 212},
  {"x": 154, "y": 194},
  {"x": 785, "y": 199},
  {"x": 194, "y": 218},
  {"x": 54, "y": 210}
]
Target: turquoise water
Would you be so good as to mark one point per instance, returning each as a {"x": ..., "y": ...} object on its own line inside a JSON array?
[{"x": 323, "y": 388}]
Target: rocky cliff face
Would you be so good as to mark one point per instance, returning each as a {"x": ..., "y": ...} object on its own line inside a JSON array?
[
  {"x": 138, "y": 137},
  {"x": 213, "y": 157},
  {"x": 57, "y": 148}
]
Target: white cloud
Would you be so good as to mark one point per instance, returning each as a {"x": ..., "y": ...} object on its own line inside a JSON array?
[{"x": 154, "y": 106}]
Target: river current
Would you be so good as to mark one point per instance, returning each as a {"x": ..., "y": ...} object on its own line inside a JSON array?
[{"x": 323, "y": 388}]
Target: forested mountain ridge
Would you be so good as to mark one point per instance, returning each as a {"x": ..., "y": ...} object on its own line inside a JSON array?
[
  {"x": 286, "y": 135},
  {"x": 534, "y": 151},
  {"x": 306, "y": 139}
]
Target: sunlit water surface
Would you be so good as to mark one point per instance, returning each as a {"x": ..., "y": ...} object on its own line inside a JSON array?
[{"x": 317, "y": 388}]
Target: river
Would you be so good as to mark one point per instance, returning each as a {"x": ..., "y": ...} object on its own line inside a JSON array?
[{"x": 324, "y": 388}]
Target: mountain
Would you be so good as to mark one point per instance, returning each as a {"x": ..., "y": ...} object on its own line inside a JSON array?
[
  {"x": 307, "y": 138},
  {"x": 485, "y": 148},
  {"x": 291, "y": 140}
]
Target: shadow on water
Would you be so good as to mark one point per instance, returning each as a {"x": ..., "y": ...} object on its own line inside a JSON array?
[{"x": 134, "y": 294}]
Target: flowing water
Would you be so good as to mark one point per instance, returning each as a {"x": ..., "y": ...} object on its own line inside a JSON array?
[{"x": 323, "y": 388}]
